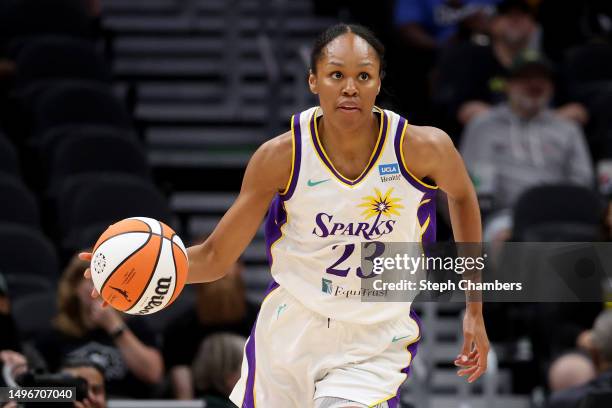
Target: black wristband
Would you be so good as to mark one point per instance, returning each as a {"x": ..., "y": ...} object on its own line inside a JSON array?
[{"x": 118, "y": 332}]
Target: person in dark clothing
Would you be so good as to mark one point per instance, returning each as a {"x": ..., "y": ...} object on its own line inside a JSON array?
[
  {"x": 84, "y": 329},
  {"x": 600, "y": 348},
  {"x": 9, "y": 338},
  {"x": 471, "y": 78},
  {"x": 222, "y": 306}
]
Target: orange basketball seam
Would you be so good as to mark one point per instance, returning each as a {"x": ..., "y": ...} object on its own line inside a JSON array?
[
  {"x": 120, "y": 234},
  {"x": 161, "y": 244},
  {"x": 175, "y": 272}
]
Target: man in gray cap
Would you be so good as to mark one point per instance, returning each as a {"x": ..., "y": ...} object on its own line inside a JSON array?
[
  {"x": 601, "y": 353},
  {"x": 522, "y": 143}
]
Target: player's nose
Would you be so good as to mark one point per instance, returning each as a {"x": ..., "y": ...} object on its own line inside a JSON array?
[{"x": 349, "y": 88}]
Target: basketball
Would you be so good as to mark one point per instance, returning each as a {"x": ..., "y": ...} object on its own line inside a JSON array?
[{"x": 139, "y": 265}]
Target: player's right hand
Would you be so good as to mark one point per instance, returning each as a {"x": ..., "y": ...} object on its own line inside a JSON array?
[{"x": 86, "y": 256}]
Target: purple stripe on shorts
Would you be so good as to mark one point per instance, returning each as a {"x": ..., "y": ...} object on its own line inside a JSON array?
[
  {"x": 249, "y": 392},
  {"x": 412, "y": 349}
]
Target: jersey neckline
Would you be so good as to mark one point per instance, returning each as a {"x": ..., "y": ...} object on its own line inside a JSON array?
[{"x": 378, "y": 147}]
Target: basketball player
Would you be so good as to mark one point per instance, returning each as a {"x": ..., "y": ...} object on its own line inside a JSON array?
[{"x": 323, "y": 187}]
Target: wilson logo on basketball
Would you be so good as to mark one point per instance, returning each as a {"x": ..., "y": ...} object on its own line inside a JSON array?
[{"x": 161, "y": 290}]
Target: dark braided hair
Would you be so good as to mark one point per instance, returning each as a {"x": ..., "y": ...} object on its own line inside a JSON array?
[{"x": 339, "y": 29}]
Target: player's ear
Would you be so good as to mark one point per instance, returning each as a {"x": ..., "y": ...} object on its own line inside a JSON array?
[{"x": 312, "y": 82}]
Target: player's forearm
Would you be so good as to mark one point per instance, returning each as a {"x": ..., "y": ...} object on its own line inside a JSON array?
[
  {"x": 465, "y": 218},
  {"x": 205, "y": 264},
  {"x": 467, "y": 228}
]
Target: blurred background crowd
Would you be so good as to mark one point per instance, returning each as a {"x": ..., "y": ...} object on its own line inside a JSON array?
[{"x": 115, "y": 108}]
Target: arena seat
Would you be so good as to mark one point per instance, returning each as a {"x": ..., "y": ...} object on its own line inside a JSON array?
[
  {"x": 78, "y": 102},
  {"x": 96, "y": 201},
  {"x": 34, "y": 17},
  {"x": 9, "y": 161},
  {"x": 59, "y": 57},
  {"x": 24, "y": 285},
  {"x": 560, "y": 203},
  {"x": 34, "y": 313},
  {"x": 18, "y": 205},
  {"x": 94, "y": 149},
  {"x": 25, "y": 251}
]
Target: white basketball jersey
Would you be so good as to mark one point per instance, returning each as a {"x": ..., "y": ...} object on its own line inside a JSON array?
[{"x": 315, "y": 227}]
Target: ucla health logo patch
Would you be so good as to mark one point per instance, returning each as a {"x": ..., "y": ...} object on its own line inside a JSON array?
[{"x": 389, "y": 172}]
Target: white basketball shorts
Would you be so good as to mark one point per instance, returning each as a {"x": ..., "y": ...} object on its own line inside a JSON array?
[{"x": 294, "y": 356}]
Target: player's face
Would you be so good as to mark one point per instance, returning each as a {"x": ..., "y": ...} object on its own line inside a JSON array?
[{"x": 347, "y": 80}]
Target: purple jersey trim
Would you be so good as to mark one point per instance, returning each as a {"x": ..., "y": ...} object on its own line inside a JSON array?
[
  {"x": 277, "y": 217},
  {"x": 329, "y": 165},
  {"x": 249, "y": 393},
  {"x": 296, "y": 134},
  {"x": 425, "y": 211},
  {"x": 398, "y": 154},
  {"x": 412, "y": 349}
]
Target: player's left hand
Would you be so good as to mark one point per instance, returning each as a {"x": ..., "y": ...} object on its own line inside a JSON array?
[{"x": 475, "y": 350}]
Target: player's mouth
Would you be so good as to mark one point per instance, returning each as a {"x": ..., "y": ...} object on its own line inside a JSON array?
[{"x": 349, "y": 108}]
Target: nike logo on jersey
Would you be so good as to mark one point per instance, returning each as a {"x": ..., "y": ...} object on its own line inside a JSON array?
[
  {"x": 396, "y": 339},
  {"x": 316, "y": 183}
]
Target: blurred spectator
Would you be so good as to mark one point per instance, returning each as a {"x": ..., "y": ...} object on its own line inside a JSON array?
[
  {"x": 423, "y": 27},
  {"x": 428, "y": 24},
  {"x": 86, "y": 330},
  {"x": 94, "y": 375},
  {"x": 9, "y": 338},
  {"x": 216, "y": 368},
  {"x": 569, "y": 23},
  {"x": 601, "y": 354},
  {"x": 471, "y": 77},
  {"x": 521, "y": 144},
  {"x": 570, "y": 370},
  {"x": 221, "y": 306},
  {"x": 15, "y": 364}
]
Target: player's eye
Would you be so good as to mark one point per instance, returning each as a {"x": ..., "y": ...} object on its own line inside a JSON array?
[
  {"x": 364, "y": 76},
  {"x": 337, "y": 75}
]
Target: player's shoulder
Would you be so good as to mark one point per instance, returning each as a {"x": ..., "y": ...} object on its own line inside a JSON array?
[
  {"x": 272, "y": 161},
  {"x": 279, "y": 148},
  {"x": 426, "y": 140}
]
